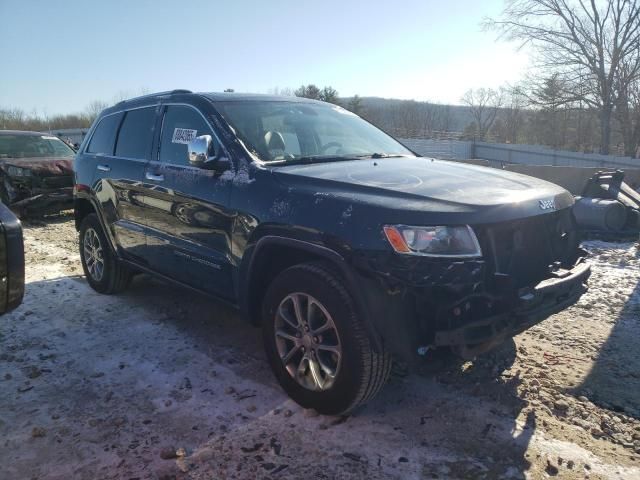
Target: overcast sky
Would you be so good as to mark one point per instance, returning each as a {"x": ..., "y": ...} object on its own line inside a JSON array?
[{"x": 58, "y": 56}]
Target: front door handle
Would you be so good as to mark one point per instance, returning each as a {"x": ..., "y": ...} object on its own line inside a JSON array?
[
  {"x": 104, "y": 168},
  {"x": 155, "y": 178}
]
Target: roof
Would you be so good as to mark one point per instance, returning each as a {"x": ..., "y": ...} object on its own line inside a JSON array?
[
  {"x": 253, "y": 97},
  {"x": 145, "y": 100},
  {"x": 22, "y": 132}
]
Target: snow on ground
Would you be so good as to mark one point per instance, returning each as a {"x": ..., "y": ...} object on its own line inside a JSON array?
[{"x": 159, "y": 382}]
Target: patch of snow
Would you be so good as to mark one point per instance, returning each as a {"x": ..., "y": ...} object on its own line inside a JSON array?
[
  {"x": 347, "y": 213},
  {"x": 280, "y": 208}
]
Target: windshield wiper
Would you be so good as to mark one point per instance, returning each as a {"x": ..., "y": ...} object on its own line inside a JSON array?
[
  {"x": 313, "y": 159},
  {"x": 377, "y": 155},
  {"x": 331, "y": 158}
]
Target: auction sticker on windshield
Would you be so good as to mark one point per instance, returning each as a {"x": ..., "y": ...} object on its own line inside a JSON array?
[{"x": 183, "y": 135}]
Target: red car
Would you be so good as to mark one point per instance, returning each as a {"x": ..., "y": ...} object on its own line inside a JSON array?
[{"x": 35, "y": 172}]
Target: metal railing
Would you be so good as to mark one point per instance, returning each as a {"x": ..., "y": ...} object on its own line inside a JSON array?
[{"x": 452, "y": 149}]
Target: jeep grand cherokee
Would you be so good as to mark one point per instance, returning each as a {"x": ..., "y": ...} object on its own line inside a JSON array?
[{"x": 345, "y": 246}]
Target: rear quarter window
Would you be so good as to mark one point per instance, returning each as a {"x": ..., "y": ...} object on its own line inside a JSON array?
[
  {"x": 136, "y": 133},
  {"x": 104, "y": 137}
]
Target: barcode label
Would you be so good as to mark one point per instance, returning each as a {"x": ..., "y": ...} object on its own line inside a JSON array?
[{"x": 183, "y": 135}]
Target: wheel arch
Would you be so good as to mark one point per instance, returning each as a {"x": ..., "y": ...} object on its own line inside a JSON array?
[
  {"x": 272, "y": 255},
  {"x": 83, "y": 206}
]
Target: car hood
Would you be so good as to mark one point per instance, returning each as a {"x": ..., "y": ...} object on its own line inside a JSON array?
[
  {"x": 427, "y": 184},
  {"x": 42, "y": 166}
]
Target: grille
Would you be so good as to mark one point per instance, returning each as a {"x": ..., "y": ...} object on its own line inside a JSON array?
[{"x": 524, "y": 249}]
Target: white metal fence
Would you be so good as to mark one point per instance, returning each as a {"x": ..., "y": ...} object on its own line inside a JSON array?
[
  {"x": 446, "y": 149},
  {"x": 521, "y": 154}
]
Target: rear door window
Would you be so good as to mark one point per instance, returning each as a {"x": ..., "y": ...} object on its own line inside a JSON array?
[
  {"x": 136, "y": 134},
  {"x": 104, "y": 137},
  {"x": 181, "y": 124}
]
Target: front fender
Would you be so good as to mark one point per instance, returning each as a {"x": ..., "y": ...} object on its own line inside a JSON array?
[{"x": 248, "y": 268}]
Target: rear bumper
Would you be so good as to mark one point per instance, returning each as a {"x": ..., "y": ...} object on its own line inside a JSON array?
[{"x": 532, "y": 306}]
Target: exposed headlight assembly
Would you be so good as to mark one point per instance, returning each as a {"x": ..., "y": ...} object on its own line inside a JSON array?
[
  {"x": 438, "y": 241},
  {"x": 17, "y": 171}
]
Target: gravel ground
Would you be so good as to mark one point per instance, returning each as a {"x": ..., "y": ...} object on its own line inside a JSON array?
[{"x": 160, "y": 382}]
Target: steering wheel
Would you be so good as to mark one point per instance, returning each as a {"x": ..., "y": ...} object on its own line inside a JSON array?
[{"x": 329, "y": 145}]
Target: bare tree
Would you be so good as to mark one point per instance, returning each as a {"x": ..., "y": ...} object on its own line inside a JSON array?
[
  {"x": 627, "y": 112},
  {"x": 483, "y": 104},
  {"x": 444, "y": 121},
  {"x": 94, "y": 109},
  {"x": 585, "y": 41},
  {"x": 512, "y": 116}
]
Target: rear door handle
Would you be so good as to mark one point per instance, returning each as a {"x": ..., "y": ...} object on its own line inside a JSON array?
[
  {"x": 104, "y": 168},
  {"x": 155, "y": 178}
]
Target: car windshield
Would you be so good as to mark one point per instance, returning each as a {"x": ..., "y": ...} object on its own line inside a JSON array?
[
  {"x": 30, "y": 146},
  {"x": 289, "y": 132}
]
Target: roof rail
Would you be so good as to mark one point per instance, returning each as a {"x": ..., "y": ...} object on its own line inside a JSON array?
[{"x": 157, "y": 94}]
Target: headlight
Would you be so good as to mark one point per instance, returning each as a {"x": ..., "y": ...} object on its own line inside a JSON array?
[
  {"x": 440, "y": 241},
  {"x": 17, "y": 171}
]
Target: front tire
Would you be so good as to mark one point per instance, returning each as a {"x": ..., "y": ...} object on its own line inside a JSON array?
[
  {"x": 104, "y": 272},
  {"x": 316, "y": 343}
]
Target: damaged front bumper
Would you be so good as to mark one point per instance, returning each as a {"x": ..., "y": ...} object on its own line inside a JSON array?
[
  {"x": 533, "y": 305},
  {"x": 45, "y": 201},
  {"x": 424, "y": 304}
]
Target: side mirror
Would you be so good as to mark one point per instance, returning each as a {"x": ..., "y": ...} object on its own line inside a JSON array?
[
  {"x": 202, "y": 154},
  {"x": 11, "y": 261}
]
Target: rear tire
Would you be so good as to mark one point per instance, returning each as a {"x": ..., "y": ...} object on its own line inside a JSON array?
[
  {"x": 325, "y": 322},
  {"x": 104, "y": 272}
]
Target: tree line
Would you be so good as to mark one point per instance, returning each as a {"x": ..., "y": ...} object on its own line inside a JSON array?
[
  {"x": 18, "y": 119},
  {"x": 587, "y": 57},
  {"x": 533, "y": 112},
  {"x": 583, "y": 93}
]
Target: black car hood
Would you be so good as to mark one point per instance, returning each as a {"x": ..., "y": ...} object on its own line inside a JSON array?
[
  {"x": 427, "y": 184},
  {"x": 42, "y": 166}
]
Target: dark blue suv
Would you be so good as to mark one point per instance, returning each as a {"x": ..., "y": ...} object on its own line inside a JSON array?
[{"x": 345, "y": 246}]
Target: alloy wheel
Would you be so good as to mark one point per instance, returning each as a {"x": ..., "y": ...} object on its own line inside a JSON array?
[
  {"x": 307, "y": 341},
  {"x": 93, "y": 254}
]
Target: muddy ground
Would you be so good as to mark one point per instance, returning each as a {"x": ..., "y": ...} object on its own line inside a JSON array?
[{"x": 160, "y": 382}]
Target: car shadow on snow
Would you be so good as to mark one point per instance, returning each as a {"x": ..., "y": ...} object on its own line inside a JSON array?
[
  {"x": 470, "y": 412},
  {"x": 211, "y": 326},
  {"x": 475, "y": 397},
  {"x": 472, "y": 408},
  {"x": 614, "y": 380}
]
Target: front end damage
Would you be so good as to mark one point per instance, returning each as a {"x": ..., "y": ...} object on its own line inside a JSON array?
[
  {"x": 40, "y": 187},
  {"x": 530, "y": 269}
]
